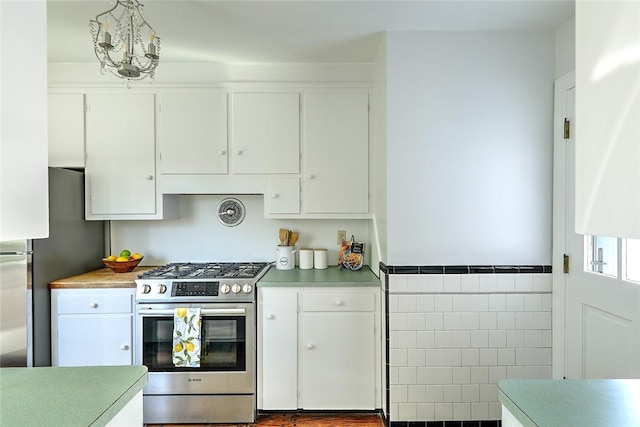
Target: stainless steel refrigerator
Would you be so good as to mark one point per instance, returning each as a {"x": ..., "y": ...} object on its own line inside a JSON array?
[{"x": 74, "y": 246}]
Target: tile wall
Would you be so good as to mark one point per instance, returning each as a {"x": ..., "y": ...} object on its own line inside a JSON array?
[{"x": 454, "y": 332}]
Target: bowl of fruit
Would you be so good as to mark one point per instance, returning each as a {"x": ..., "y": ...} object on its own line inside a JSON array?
[{"x": 123, "y": 263}]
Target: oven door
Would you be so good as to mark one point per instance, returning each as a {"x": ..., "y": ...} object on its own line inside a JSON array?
[{"x": 227, "y": 356}]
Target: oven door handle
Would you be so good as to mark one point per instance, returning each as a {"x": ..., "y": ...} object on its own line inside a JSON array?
[{"x": 203, "y": 312}]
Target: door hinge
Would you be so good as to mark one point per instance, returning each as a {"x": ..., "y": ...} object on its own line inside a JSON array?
[
  {"x": 567, "y": 128},
  {"x": 565, "y": 264},
  {"x": 298, "y": 392}
]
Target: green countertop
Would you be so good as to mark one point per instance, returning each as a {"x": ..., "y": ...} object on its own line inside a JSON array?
[
  {"x": 331, "y": 276},
  {"x": 67, "y": 396},
  {"x": 563, "y": 403}
]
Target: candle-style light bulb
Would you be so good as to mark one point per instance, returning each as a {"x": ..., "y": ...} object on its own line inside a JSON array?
[
  {"x": 106, "y": 38},
  {"x": 151, "y": 49}
]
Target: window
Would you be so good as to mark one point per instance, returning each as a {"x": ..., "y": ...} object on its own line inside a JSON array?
[
  {"x": 632, "y": 260},
  {"x": 601, "y": 256}
]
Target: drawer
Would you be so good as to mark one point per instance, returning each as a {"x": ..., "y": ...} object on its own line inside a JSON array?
[
  {"x": 94, "y": 302},
  {"x": 338, "y": 301}
]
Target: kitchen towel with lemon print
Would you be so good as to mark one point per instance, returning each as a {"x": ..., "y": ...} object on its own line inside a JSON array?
[{"x": 186, "y": 337}]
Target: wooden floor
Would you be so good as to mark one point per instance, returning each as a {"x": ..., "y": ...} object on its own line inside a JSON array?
[{"x": 299, "y": 420}]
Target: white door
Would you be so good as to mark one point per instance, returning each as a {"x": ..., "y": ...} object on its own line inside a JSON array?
[
  {"x": 336, "y": 134},
  {"x": 192, "y": 133},
  {"x": 265, "y": 130},
  {"x": 601, "y": 313},
  {"x": 121, "y": 156},
  {"x": 94, "y": 340},
  {"x": 277, "y": 349},
  {"x": 338, "y": 361}
]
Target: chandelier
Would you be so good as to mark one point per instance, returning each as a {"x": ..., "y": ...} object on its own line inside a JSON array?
[{"x": 124, "y": 42}]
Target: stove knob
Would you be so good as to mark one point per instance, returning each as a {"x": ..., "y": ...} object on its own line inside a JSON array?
[
  {"x": 146, "y": 289},
  {"x": 235, "y": 288},
  {"x": 225, "y": 288},
  {"x": 162, "y": 289},
  {"x": 247, "y": 288}
]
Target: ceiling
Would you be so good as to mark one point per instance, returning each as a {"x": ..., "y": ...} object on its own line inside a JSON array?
[{"x": 298, "y": 31}]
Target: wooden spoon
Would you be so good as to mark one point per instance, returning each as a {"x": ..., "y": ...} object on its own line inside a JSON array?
[
  {"x": 293, "y": 238},
  {"x": 284, "y": 236}
]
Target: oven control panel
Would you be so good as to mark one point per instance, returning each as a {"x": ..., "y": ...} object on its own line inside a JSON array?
[{"x": 195, "y": 289}]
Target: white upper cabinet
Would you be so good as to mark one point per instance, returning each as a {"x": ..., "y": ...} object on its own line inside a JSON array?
[
  {"x": 265, "y": 133},
  {"x": 192, "y": 133},
  {"x": 336, "y": 153},
  {"x": 66, "y": 130},
  {"x": 24, "y": 199},
  {"x": 607, "y": 111},
  {"x": 121, "y": 157}
]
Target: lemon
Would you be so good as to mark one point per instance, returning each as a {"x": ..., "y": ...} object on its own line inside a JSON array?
[
  {"x": 125, "y": 253},
  {"x": 136, "y": 256},
  {"x": 190, "y": 346},
  {"x": 111, "y": 258},
  {"x": 182, "y": 312},
  {"x": 122, "y": 259},
  {"x": 177, "y": 348}
]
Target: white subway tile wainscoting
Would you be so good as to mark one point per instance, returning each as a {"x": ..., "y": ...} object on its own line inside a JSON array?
[{"x": 454, "y": 333}]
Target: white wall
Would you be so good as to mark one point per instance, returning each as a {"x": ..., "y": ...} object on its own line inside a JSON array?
[
  {"x": 566, "y": 48},
  {"x": 198, "y": 235},
  {"x": 469, "y": 145},
  {"x": 379, "y": 155}
]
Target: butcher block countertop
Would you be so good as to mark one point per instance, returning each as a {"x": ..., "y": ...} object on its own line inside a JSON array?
[
  {"x": 98, "y": 279},
  {"x": 67, "y": 396}
]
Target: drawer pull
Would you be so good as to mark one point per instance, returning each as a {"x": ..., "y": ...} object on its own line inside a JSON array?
[
  {"x": 93, "y": 305},
  {"x": 310, "y": 346},
  {"x": 124, "y": 347},
  {"x": 339, "y": 303},
  {"x": 269, "y": 316}
]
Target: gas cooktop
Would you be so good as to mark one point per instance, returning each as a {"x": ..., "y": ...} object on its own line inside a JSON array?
[
  {"x": 202, "y": 282},
  {"x": 209, "y": 270}
]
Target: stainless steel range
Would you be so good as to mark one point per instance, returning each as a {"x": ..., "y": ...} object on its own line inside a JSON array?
[{"x": 222, "y": 388}]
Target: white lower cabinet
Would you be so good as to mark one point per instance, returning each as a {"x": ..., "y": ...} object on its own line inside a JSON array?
[
  {"x": 91, "y": 327},
  {"x": 508, "y": 419},
  {"x": 317, "y": 349}
]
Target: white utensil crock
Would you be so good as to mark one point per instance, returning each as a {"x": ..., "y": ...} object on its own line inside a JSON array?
[{"x": 285, "y": 258}]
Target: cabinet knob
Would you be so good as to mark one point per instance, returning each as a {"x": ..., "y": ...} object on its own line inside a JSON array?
[
  {"x": 269, "y": 316},
  {"x": 310, "y": 346},
  {"x": 275, "y": 195},
  {"x": 222, "y": 152},
  {"x": 149, "y": 177},
  {"x": 311, "y": 176},
  {"x": 93, "y": 305},
  {"x": 339, "y": 303},
  {"x": 239, "y": 152},
  {"x": 124, "y": 347}
]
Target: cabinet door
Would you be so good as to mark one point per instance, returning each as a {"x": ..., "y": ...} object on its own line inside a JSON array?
[
  {"x": 24, "y": 207},
  {"x": 192, "y": 133},
  {"x": 266, "y": 133},
  {"x": 283, "y": 196},
  {"x": 278, "y": 349},
  {"x": 121, "y": 159},
  {"x": 336, "y": 153},
  {"x": 338, "y": 358},
  {"x": 66, "y": 130},
  {"x": 94, "y": 340}
]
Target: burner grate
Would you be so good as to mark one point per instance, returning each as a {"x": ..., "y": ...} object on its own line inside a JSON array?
[{"x": 210, "y": 270}]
